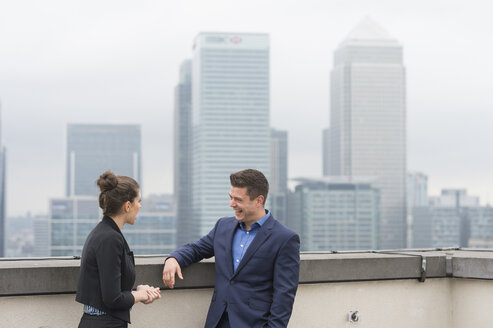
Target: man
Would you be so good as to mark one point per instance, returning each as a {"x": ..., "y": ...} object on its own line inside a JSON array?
[{"x": 257, "y": 260}]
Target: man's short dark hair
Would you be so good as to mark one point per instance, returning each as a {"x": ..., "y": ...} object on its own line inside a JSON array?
[{"x": 253, "y": 180}]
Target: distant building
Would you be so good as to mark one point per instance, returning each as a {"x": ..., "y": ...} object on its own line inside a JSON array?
[
  {"x": 19, "y": 239},
  {"x": 278, "y": 184},
  {"x": 417, "y": 189},
  {"x": 42, "y": 240},
  {"x": 337, "y": 213},
  {"x": 95, "y": 148},
  {"x": 230, "y": 118},
  {"x": 454, "y": 198},
  {"x": 91, "y": 150},
  {"x": 368, "y": 121},
  {"x": 154, "y": 231},
  {"x": 294, "y": 209},
  {"x": 445, "y": 222},
  {"x": 70, "y": 221},
  {"x": 326, "y": 152},
  {"x": 186, "y": 224},
  {"x": 422, "y": 230},
  {"x": 417, "y": 196},
  {"x": 481, "y": 221}
]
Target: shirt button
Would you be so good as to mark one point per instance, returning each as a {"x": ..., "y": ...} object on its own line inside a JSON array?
[
  {"x": 248, "y": 232},
  {"x": 241, "y": 245},
  {"x": 237, "y": 260},
  {"x": 232, "y": 282}
]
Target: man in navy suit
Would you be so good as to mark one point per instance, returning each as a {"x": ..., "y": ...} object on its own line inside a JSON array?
[{"x": 257, "y": 260}]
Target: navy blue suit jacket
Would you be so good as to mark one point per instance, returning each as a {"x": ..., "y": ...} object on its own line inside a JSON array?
[{"x": 260, "y": 293}]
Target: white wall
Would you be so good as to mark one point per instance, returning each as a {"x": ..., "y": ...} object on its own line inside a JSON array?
[{"x": 436, "y": 303}]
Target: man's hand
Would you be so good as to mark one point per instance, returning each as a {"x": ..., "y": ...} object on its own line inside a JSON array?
[{"x": 171, "y": 267}]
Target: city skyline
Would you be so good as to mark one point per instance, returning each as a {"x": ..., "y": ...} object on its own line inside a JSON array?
[{"x": 103, "y": 67}]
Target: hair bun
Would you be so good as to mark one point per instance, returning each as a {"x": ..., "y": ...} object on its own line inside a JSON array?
[{"x": 107, "y": 181}]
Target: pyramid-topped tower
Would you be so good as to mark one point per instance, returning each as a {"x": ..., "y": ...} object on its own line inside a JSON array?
[{"x": 368, "y": 122}]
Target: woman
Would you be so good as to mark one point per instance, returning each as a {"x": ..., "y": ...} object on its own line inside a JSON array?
[{"x": 107, "y": 268}]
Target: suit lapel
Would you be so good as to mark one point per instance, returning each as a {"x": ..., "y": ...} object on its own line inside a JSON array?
[
  {"x": 262, "y": 235},
  {"x": 230, "y": 232}
]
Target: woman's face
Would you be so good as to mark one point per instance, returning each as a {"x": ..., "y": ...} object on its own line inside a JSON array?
[{"x": 134, "y": 209}]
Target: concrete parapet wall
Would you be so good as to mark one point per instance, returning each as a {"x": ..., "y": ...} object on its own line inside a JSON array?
[
  {"x": 383, "y": 287},
  {"x": 58, "y": 275}
]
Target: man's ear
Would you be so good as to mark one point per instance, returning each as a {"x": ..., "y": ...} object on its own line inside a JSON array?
[{"x": 261, "y": 200}]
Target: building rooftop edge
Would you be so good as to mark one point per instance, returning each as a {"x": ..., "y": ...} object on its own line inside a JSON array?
[{"x": 59, "y": 275}]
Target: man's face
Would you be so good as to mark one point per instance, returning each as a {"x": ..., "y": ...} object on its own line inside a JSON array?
[{"x": 246, "y": 209}]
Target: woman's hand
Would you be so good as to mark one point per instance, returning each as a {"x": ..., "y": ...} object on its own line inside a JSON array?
[
  {"x": 153, "y": 293},
  {"x": 140, "y": 295},
  {"x": 146, "y": 294},
  {"x": 143, "y": 287}
]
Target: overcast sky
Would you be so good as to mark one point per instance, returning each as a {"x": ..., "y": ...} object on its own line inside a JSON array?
[{"x": 110, "y": 61}]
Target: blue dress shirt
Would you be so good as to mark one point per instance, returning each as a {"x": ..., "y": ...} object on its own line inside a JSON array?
[{"x": 243, "y": 238}]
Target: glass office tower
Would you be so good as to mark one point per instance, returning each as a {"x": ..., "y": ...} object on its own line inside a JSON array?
[
  {"x": 94, "y": 148},
  {"x": 368, "y": 121},
  {"x": 230, "y": 118}
]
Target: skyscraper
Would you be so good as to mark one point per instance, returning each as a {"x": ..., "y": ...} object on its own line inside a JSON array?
[
  {"x": 368, "y": 121},
  {"x": 325, "y": 152},
  {"x": 94, "y": 148},
  {"x": 278, "y": 184},
  {"x": 230, "y": 117},
  {"x": 91, "y": 149},
  {"x": 279, "y": 161},
  {"x": 185, "y": 228}
]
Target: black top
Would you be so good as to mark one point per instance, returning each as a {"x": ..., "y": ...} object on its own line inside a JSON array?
[{"x": 107, "y": 271}]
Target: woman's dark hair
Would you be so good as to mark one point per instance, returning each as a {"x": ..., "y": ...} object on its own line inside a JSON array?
[
  {"x": 253, "y": 180},
  {"x": 115, "y": 191}
]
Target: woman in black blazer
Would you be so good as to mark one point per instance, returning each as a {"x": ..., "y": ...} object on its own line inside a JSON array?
[{"x": 107, "y": 268}]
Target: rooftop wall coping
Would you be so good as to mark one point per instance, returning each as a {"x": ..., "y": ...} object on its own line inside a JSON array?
[{"x": 59, "y": 275}]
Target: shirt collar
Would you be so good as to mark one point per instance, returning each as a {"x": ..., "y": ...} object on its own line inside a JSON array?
[{"x": 259, "y": 223}]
